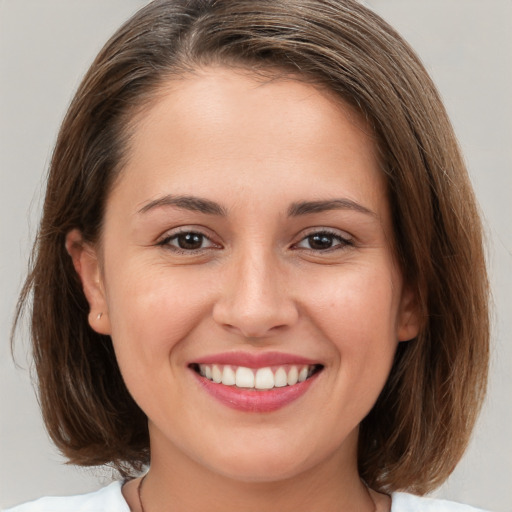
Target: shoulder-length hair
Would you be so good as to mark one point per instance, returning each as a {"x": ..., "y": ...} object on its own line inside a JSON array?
[{"x": 420, "y": 425}]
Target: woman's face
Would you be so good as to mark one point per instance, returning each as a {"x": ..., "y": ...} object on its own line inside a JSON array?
[{"x": 248, "y": 240}]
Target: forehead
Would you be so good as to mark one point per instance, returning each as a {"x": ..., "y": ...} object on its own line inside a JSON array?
[
  {"x": 229, "y": 124},
  {"x": 222, "y": 95}
]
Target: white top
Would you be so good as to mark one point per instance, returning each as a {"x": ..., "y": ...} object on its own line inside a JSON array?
[{"x": 110, "y": 499}]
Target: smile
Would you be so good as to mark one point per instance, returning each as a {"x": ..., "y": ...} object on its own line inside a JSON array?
[
  {"x": 255, "y": 383},
  {"x": 260, "y": 379}
]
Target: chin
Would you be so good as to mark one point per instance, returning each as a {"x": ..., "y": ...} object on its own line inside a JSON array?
[{"x": 262, "y": 465}]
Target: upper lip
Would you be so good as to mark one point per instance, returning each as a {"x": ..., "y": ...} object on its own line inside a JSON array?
[{"x": 254, "y": 360}]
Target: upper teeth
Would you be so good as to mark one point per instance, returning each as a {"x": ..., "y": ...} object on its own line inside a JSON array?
[{"x": 262, "y": 378}]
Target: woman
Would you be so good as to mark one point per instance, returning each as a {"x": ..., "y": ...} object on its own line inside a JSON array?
[{"x": 256, "y": 236}]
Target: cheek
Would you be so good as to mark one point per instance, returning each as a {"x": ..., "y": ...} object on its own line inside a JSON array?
[
  {"x": 356, "y": 310},
  {"x": 355, "y": 302},
  {"x": 151, "y": 310}
]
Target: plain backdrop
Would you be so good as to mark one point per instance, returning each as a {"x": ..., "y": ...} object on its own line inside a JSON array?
[{"x": 46, "y": 46}]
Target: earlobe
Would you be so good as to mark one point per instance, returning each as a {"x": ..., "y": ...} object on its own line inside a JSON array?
[
  {"x": 86, "y": 264},
  {"x": 409, "y": 318}
]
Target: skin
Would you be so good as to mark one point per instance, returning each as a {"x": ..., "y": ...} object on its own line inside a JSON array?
[{"x": 255, "y": 148}]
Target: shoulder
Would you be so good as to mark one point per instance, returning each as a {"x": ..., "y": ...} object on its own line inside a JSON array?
[
  {"x": 404, "y": 502},
  {"x": 108, "y": 499}
]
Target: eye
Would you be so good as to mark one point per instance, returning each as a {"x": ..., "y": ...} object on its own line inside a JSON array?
[
  {"x": 187, "y": 241},
  {"x": 324, "y": 241}
]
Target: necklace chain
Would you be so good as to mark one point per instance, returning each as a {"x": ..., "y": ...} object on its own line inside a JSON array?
[{"x": 139, "y": 492}]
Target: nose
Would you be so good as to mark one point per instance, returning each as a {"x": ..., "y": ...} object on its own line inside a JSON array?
[{"x": 255, "y": 299}]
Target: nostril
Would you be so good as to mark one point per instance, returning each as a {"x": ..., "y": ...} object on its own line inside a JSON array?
[{"x": 256, "y": 316}]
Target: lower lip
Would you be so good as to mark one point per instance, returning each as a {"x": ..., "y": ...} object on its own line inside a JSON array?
[{"x": 250, "y": 400}]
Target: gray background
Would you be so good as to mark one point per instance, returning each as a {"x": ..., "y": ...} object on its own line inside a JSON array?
[{"x": 45, "y": 47}]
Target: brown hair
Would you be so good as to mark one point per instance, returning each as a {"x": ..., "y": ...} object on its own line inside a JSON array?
[{"x": 420, "y": 425}]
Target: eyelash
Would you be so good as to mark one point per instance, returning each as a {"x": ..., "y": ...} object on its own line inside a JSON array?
[
  {"x": 333, "y": 235},
  {"x": 343, "y": 242},
  {"x": 166, "y": 242}
]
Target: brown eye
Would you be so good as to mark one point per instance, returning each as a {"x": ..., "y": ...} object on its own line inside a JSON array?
[
  {"x": 323, "y": 241},
  {"x": 187, "y": 241}
]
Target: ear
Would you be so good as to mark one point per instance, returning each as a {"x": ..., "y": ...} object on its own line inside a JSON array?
[
  {"x": 409, "y": 322},
  {"x": 86, "y": 263}
]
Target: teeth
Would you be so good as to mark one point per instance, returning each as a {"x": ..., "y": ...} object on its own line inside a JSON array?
[
  {"x": 293, "y": 376},
  {"x": 228, "y": 376},
  {"x": 262, "y": 378},
  {"x": 303, "y": 374},
  {"x": 244, "y": 377},
  {"x": 216, "y": 374},
  {"x": 280, "y": 378}
]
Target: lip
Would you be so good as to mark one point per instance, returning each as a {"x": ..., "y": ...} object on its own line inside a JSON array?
[
  {"x": 254, "y": 360},
  {"x": 249, "y": 400}
]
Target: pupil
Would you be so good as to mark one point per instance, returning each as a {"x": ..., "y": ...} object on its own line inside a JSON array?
[
  {"x": 190, "y": 241},
  {"x": 320, "y": 241}
]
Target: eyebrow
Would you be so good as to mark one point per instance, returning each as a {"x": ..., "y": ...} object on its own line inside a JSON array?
[
  {"x": 195, "y": 204},
  {"x": 308, "y": 207}
]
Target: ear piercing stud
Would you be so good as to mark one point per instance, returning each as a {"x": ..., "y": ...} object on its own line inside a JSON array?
[{"x": 99, "y": 316}]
